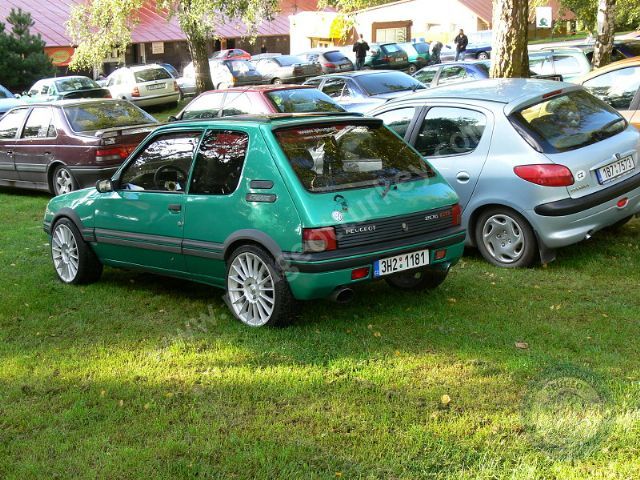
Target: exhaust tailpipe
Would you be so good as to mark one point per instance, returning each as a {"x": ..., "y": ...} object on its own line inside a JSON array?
[{"x": 341, "y": 295}]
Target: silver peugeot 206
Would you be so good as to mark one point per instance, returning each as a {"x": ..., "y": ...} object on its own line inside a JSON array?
[{"x": 537, "y": 164}]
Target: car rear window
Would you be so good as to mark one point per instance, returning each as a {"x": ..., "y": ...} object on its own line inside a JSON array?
[
  {"x": 302, "y": 100},
  {"x": 151, "y": 74},
  {"x": 71, "y": 84},
  {"x": 329, "y": 158},
  {"x": 391, "y": 48},
  {"x": 288, "y": 60},
  {"x": 569, "y": 121},
  {"x": 335, "y": 56},
  {"x": 379, "y": 83},
  {"x": 421, "y": 47},
  {"x": 89, "y": 117}
]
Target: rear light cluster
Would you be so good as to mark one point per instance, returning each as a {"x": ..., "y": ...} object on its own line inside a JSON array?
[
  {"x": 456, "y": 213},
  {"x": 547, "y": 175},
  {"x": 316, "y": 240},
  {"x": 135, "y": 92},
  {"x": 108, "y": 95},
  {"x": 113, "y": 153},
  {"x": 330, "y": 65}
]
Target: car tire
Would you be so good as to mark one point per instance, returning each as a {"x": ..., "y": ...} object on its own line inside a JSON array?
[
  {"x": 412, "y": 68},
  {"x": 73, "y": 260},
  {"x": 416, "y": 280},
  {"x": 277, "y": 81},
  {"x": 258, "y": 293},
  {"x": 483, "y": 56},
  {"x": 62, "y": 181},
  {"x": 619, "y": 224},
  {"x": 505, "y": 238}
]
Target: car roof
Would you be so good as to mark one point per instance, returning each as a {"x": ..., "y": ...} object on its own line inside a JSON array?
[
  {"x": 66, "y": 77},
  {"x": 359, "y": 73},
  {"x": 627, "y": 62},
  {"x": 275, "y": 119},
  {"x": 264, "y": 88},
  {"x": 497, "y": 90},
  {"x": 76, "y": 101}
]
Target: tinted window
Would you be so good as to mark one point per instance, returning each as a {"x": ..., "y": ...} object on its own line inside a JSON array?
[
  {"x": 163, "y": 165},
  {"x": 570, "y": 121},
  {"x": 349, "y": 155},
  {"x": 39, "y": 124},
  {"x": 398, "y": 120},
  {"x": 151, "y": 74},
  {"x": 452, "y": 74},
  {"x": 379, "y": 83},
  {"x": 314, "y": 82},
  {"x": 88, "y": 117},
  {"x": 565, "y": 64},
  {"x": 171, "y": 69},
  {"x": 302, "y": 100},
  {"x": 219, "y": 163},
  {"x": 335, "y": 56},
  {"x": 450, "y": 131},
  {"x": 334, "y": 87},
  {"x": 77, "y": 83},
  {"x": 238, "y": 104},
  {"x": 11, "y": 123},
  {"x": 617, "y": 88},
  {"x": 427, "y": 75}
]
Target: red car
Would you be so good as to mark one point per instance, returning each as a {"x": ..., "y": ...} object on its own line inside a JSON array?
[
  {"x": 258, "y": 100},
  {"x": 68, "y": 144},
  {"x": 231, "y": 54}
]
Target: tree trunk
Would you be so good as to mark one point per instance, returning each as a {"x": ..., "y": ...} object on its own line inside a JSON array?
[
  {"x": 510, "y": 29},
  {"x": 606, "y": 30},
  {"x": 198, "y": 49}
]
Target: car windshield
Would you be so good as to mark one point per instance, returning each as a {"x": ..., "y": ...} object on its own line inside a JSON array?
[
  {"x": 329, "y": 158},
  {"x": 76, "y": 83},
  {"x": 335, "y": 56},
  {"x": 388, "y": 82},
  {"x": 151, "y": 74},
  {"x": 240, "y": 66},
  {"x": 288, "y": 60},
  {"x": 570, "y": 121},
  {"x": 303, "y": 100},
  {"x": 89, "y": 117}
]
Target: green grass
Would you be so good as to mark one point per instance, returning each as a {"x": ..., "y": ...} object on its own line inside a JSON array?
[
  {"x": 139, "y": 376},
  {"x": 162, "y": 113}
]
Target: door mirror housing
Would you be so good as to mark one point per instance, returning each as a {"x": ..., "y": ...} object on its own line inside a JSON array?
[
  {"x": 172, "y": 118},
  {"x": 104, "y": 186}
]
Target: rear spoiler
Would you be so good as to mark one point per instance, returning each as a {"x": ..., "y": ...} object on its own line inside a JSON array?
[
  {"x": 119, "y": 131},
  {"x": 528, "y": 100}
]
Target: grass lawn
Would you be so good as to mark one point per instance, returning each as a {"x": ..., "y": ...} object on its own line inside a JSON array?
[
  {"x": 139, "y": 376},
  {"x": 162, "y": 113}
]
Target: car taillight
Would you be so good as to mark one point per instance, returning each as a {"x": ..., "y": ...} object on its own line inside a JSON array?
[
  {"x": 319, "y": 239},
  {"x": 547, "y": 175},
  {"x": 456, "y": 213},
  {"x": 108, "y": 95},
  {"x": 330, "y": 65},
  {"x": 113, "y": 153},
  {"x": 175, "y": 86},
  {"x": 135, "y": 92},
  {"x": 386, "y": 59}
]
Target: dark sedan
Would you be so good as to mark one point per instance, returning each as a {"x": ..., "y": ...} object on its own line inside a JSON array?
[
  {"x": 331, "y": 61},
  {"x": 364, "y": 90},
  {"x": 474, "y": 51},
  {"x": 68, "y": 144},
  {"x": 278, "y": 69}
]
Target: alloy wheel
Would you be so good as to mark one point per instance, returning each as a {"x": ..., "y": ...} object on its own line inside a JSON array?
[
  {"x": 63, "y": 181},
  {"x": 251, "y": 289},
  {"x": 503, "y": 238},
  {"x": 64, "y": 250}
]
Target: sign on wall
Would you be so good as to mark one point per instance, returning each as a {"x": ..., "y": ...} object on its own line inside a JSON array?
[
  {"x": 544, "y": 17},
  {"x": 60, "y": 56},
  {"x": 157, "y": 48}
]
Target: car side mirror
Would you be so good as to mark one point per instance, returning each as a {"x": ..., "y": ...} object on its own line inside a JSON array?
[
  {"x": 104, "y": 186},
  {"x": 172, "y": 118}
]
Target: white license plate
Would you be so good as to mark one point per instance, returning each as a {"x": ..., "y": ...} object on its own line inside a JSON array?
[
  {"x": 616, "y": 169},
  {"x": 406, "y": 261},
  {"x": 156, "y": 86}
]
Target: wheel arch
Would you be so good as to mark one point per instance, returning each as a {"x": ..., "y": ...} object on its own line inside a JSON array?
[
  {"x": 251, "y": 237},
  {"x": 52, "y": 168},
  {"x": 87, "y": 233}
]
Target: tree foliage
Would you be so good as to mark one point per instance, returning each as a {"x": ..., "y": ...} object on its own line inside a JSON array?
[
  {"x": 23, "y": 60},
  {"x": 627, "y": 13},
  {"x": 100, "y": 26}
]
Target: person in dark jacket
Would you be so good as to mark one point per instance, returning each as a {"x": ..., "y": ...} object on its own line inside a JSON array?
[
  {"x": 461, "y": 42},
  {"x": 436, "y": 48},
  {"x": 360, "y": 48}
]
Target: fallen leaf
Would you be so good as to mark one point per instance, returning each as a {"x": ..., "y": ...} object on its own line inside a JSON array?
[
  {"x": 522, "y": 345},
  {"x": 445, "y": 400},
  {"x": 121, "y": 403},
  {"x": 377, "y": 334}
]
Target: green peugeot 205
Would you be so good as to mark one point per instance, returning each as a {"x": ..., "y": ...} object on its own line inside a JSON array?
[{"x": 273, "y": 209}]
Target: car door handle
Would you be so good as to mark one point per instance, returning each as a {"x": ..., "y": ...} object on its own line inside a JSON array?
[
  {"x": 175, "y": 207},
  {"x": 463, "y": 177}
]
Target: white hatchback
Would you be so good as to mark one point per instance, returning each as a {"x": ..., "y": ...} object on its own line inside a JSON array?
[{"x": 144, "y": 85}]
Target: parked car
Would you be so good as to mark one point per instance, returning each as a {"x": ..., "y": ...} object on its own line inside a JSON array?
[
  {"x": 144, "y": 85},
  {"x": 571, "y": 63},
  {"x": 621, "y": 49},
  {"x": 417, "y": 53},
  {"x": 50, "y": 89},
  {"x": 465, "y": 71},
  {"x": 68, "y": 144},
  {"x": 7, "y": 100},
  {"x": 231, "y": 54},
  {"x": 267, "y": 208},
  {"x": 381, "y": 56},
  {"x": 537, "y": 164},
  {"x": 363, "y": 90},
  {"x": 331, "y": 61},
  {"x": 278, "y": 69},
  {"x": 617, "y": 84},
  {"x": 258, "y": 100},
  {"x": 186, "y": 86},
  {"x": 228, "y": 73},
  {"x": 480, "y": 51}
]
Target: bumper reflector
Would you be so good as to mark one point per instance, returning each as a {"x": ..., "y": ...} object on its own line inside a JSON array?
[
  {"x": 440, "y": 254},
  {"x": 623, "y": 202},
  {"x": 359, "y": 273}
]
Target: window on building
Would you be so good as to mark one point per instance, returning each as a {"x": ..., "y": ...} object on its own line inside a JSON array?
[{"x": 387, "y": 35}]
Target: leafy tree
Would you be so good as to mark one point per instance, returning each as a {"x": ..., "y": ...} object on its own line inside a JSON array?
[
  {"x": 100, "y": 26},
  {"x": 23, "y": 60},
  {"x": 510, "y": 29}
]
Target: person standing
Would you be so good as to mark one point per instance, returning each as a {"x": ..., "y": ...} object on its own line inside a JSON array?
[
  {"x": 461, "y": 42},
  {"x": 360, "y": 48}
]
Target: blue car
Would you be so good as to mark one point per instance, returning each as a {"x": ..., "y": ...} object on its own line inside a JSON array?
[
  {"x": 7, "y": 101},
  {"x": 446, "y": 73},
  {"x": 364, "y": 90}
]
